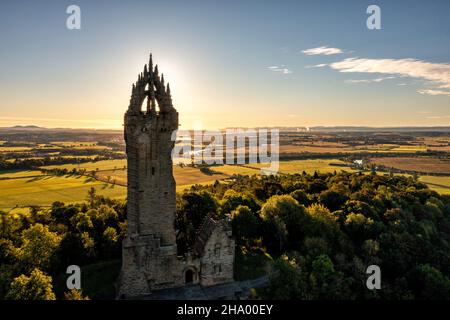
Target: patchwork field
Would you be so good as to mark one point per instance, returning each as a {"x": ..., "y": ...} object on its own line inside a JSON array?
[
  {"x": 340, "y": 148},
  {"x": 22, "y": 188},
  {"x": 419, "y": 164}
]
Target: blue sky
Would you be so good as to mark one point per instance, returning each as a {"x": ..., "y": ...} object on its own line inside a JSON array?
[{"x": 229, "y": 63}]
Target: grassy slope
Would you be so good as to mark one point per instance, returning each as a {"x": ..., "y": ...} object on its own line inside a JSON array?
[{"x": 44, "y": 190}]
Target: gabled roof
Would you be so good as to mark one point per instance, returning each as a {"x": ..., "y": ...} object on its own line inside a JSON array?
[{"x": 205, "y": 231}]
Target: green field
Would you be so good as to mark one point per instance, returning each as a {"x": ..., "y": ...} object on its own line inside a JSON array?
[
  {"x": 44, "y": 190},
  {"x": 22, "y": 188}
]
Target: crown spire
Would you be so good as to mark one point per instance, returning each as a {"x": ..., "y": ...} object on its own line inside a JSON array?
[{"x": 150, "y": 63}]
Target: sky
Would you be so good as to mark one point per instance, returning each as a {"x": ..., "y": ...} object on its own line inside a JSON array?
[{"x": 250, "y": 63}]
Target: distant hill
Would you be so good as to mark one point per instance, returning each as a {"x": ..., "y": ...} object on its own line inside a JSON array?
[
  {"x": 34, "y": 128},
  {"x": 357, "y": 129},
  {"x": 378, "y": 129},
  {"x": 37, "y": 129},
  {"x": 27, "y": 127}
]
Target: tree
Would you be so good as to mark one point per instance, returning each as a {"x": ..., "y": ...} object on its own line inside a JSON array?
[
  {"x": 38, "y": 246},
  {"x": 429, "y": 283},
  {"x": 232, "y": 199},
  {"x": 245, "y": 224},
  {"x": 91, "y": 197},
  {"x": 110, "y": 242},
  {"x": 82, "y": 221},
  {"x": 75, "y": 294},
  {"x": 286, "y": 218},
  {"x": 196, "y": 206},
  {"x": 331, "y": 199},
  {"x": 37, "y": 286},
  {"x": 323, "y": 222},
  {"x": 358, "y": 227},
  {"x": 326, "y": 282},
  {"x": 301, "y": 197},
  {"x": 289, "y": 282}
]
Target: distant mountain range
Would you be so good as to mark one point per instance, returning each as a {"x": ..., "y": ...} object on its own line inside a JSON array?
[
  {"x": 27, "y": 128},
  {"x": 360, "y": 129},
  {"x": 34, "y": 128}
]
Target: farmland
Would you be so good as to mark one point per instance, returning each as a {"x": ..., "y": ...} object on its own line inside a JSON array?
[
  {"x": 44, "y": 190},
  {"x": 43, "y": 166},
  {"x": 417, "y": 164}
]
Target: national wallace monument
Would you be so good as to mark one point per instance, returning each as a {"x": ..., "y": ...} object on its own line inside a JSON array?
[{"x": 149, "y": 251}]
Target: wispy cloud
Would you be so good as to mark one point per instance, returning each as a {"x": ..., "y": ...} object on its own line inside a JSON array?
[
  {"x": 281, "y": 69},
  {"x": 437, "y": 74},
  {"x": 318, "y": 65},
  {"x": 433, "y": 92},
  {"x": 438, "y": 117},
  {"x": 326, "y": 51},
  {"x": 369, "y": 80}
]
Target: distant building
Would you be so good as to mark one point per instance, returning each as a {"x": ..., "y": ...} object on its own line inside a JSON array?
[
  {"x": 149, "y": 254},
  {"x": 358, "y": 163}
]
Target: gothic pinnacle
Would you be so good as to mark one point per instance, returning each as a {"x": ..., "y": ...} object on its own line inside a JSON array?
[{"x": 150, "y": 63}]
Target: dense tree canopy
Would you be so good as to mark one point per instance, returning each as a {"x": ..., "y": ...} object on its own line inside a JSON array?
[{"x": 315, "y": 234}]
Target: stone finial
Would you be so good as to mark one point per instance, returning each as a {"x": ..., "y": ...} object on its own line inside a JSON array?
[{"x": 150, "y": 63}]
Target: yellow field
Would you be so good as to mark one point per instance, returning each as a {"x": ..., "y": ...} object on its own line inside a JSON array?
[
  {"x": 183, "y": 176},
  {"x": 44, "y": 190},
  {"x": 438, "y": 184},
  {"x": 74, "y": 143},
  {"x": 19, "y": 174},
  {"x": 32, "y": 188},
  {"x": 309, "y": 166},
  {"x": 236, "y": 169},
  {"x": 89, "y": 166},
  {"x": 339, "y": 148},
  {"x": 14, "y": 149}
]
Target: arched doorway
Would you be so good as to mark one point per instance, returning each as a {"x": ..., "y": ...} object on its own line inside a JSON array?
[{"x": 188, "y": 276}]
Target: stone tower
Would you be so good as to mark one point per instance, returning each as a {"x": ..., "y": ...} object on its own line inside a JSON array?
[{"x": 149, "y": 250}]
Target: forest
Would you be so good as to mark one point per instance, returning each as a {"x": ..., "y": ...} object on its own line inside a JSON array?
[{"x": 313, "y": 234}]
